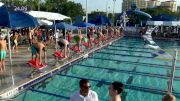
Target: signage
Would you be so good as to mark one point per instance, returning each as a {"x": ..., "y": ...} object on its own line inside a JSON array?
[{"x": 19, "y": 8}]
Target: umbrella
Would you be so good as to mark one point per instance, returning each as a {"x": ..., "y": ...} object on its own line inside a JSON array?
[
  {"x": 63, "y": 25},
  {"x": 83, "y": 24},
  {"x": 4, "y": 16},
  {"x": 16, "y": 19},
  {"x": 19, "y": 20}
]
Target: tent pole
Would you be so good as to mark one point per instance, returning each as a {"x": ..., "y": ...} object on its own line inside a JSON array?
[
  {"x": 10, "y": 57},
  {"x": 71, "y": 21},
  {"x": 56, "y": 36},
  {"x": 65, "y": 33}
]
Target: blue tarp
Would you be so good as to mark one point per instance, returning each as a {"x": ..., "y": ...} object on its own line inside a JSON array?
[
  {"x": 163, "y": 17},
  {"x": 83, "y": 24},
  {"x": 16, "y": 19},
  {"x": 101, "y": 20},
  {"x": 63, "y": 25}
]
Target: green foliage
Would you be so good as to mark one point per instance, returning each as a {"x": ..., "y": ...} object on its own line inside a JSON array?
[
  {"x": 72, "y": 9},
  {"x": 64, "y": 7},
  {"x": 96, "y": 13},
  {"x": 158, "y": 11}
]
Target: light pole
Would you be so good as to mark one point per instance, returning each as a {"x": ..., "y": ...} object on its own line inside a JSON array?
[
  {"x": 86, "y": 13},
  {"x": 86, "y": 17},
  {"x": 107, "y": 7},
  {"x": 108, "y": 10},
  {"x": 113, "y": 11}
]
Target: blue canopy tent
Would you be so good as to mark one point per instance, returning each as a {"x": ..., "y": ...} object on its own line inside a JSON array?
[
  {"x": 63, "y": 25},
  {"x": 83, "y": 24},
  {"x": 101, "y": 20},
  {"x": 163, "y": 17},
  {"x": 15, "y": 20}
]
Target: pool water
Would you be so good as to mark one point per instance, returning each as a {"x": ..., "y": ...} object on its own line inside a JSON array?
[{"x": 126, "y": 60}]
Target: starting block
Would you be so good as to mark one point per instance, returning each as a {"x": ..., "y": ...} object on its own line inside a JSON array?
[
  {"x": 86, "y": 44},
  {"x": 75, "y": 48},
  {"x": 59, "y": 54},
  {"x": 95, "y": 41},
  {"x": 36, "y": 67}
]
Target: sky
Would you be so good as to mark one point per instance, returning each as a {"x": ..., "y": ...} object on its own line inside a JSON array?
[{"x": 101, "y": 5}]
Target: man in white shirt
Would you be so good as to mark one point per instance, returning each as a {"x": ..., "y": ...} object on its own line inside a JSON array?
[{"x": 84, "y": 94}]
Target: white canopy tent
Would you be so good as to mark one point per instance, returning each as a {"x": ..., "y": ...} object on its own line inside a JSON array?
[
  {"x": 1, "y": 4},
  {"x": 163, "y": 23},
  {"x": 44, "y": 22},
  {"x": 48, "y": 15}
]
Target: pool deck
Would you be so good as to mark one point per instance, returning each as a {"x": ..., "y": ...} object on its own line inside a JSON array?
[{"x": 21, "y": 70}]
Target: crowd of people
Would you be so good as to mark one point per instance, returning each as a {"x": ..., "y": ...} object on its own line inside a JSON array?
[
  {"x": 39, "y": 38},
  {"x": 166, "y": 32},
  {"x": 115, "y": 90},
  {"x": 86, "y": 94}
]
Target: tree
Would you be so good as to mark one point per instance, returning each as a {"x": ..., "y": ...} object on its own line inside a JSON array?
[
  {"x": 65, "y": 7},
  {"x": 96, "y": 13},
  {"x": 34, "y": 4},
  {"x": 158, "y": 11},
  {"x": 72, "y": 9}
]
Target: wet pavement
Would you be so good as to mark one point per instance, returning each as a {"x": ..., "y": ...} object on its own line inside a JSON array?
[{"x": 20, "y": 71}]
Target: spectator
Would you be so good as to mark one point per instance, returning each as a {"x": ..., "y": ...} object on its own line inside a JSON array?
[
  {"x": 115, "y": 89},
  {"x": 169, "y": 97},
  {"x": 3, "y": 49},
  {"x": 84, "y": 94}
]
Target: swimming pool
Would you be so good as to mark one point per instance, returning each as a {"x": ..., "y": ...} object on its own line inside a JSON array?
[{"x": 126, "y": 60}]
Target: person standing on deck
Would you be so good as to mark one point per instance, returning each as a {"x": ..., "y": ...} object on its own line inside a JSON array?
[
  {"x": 84, "y": 94},
  {"x": 90, "y": 36},
  {"x": 38, "y": 49},
  {"x": 15, "y": 42},
  {"x": 3, "y": 48}
]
